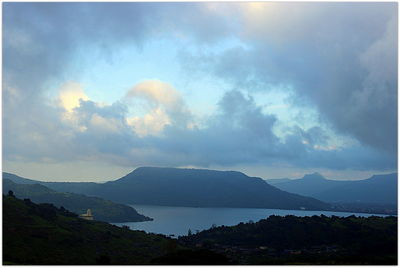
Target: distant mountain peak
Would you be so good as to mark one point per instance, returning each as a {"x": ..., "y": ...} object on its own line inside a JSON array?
[{"x": 313, "y": 176}]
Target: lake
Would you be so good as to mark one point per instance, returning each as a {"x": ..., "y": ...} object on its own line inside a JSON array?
[{"x": 178, "y": 220}]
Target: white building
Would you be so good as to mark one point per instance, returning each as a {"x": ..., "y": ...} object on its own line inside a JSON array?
[{"x": 87, "y": 216}]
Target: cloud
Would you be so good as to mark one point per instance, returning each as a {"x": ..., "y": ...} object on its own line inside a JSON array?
[
  {"x": 238, "y": 133},
  {"x": 151, "y": 123},
  {"x": 103, "y": 124},
  {"x": 165, "y": 107},
  {"x": 339, "y": 58},
  {"x": 70, "y": 95}
]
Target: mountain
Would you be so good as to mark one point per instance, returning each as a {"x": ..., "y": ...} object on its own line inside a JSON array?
[
  {"x": 18, "y": 179},
  {"x": 103, "y": 210},
  {"x": 379, "y": 189},
  {"x": 201, "y": 188},
  {"x": 309, "y": 184},
  {"x": 70, "y": 187},
  {"x": 193, "y": 188}
]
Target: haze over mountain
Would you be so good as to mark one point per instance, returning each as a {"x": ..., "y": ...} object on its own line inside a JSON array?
[
  {"x": 380, "y": 189},
  {"x": 192, "y": 187},
  {"x": 275, "y": 181}
]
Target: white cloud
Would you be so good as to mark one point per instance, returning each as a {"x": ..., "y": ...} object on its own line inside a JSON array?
[
  {"x": 108, "y": 125},
  {"x": 165, "y": 107},
  {"x": 157, "y": 92},
  {"x": 71, "y": 94},
  {"x": 151, "y": 123}
]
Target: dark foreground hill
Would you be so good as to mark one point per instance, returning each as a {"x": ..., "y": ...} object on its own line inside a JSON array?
[
  {"x": 103, "y": 210},
  {"x": 379, "y": 189},
  {"x": 192, "y": 188},
  {"x": 43, "y": 234},
  {"x": 304, "y": 240}
]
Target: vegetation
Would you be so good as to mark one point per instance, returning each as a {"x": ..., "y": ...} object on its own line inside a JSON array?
[
  {"x": 103, "y": 210},
  {"x": 304, "y": 240},
  {"x": 192, "y": 257},
  {"x": 374, "y": 208},
  {"x": 44, "y": 234}
]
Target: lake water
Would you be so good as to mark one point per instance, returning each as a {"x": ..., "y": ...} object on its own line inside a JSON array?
[{"x": 178, "y": 220}]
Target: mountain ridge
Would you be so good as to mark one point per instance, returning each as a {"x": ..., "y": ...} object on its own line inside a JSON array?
[
  {"x": 193, "y": 188},
  {"x": 380, "y": 189}
]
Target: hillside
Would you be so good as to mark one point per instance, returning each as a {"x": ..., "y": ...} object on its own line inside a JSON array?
[
  {"x": 379, "y": 189},
  {"x": 192, "y": 188},
  {"x": 45, "y": 235},
  {"x": 86, "y": 188},
  {"x": 103, "y": 210},
  {"x": 304, "y": 240}
]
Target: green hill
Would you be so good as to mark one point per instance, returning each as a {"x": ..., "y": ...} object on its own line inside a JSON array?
[{"x": 103, "y": 210}]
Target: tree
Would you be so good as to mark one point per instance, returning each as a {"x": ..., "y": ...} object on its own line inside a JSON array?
[
  {"x": 11, "y": 193},
  {"x": 189, "y": 232}
]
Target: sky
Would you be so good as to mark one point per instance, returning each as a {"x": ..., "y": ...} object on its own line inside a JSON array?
[{"x": 273, "y": 89}]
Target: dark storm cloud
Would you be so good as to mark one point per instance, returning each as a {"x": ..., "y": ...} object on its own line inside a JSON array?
[
  {"x": 341, "y": 60},
  {"x": 39, "y": 38},
  {"x": 241, "y": 133}
]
